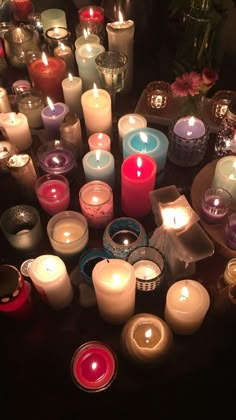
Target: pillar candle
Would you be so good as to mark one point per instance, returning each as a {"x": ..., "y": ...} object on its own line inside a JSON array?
[
  {"x": 129, "y": 122},
  {"x": 187, "y": 302},
  {"x": 23, "y": 171},
  {"x": 52, "y": 116},
  {"x": 96, "y": 105},
  {"x": 121, "y": 38},
  {"x": 4, "y": 102},
  {"x": 15, "y": 126},
  {"x": 114, "y": 283},
  {"x": 99, "y": 141},
  {"x": 87, "y": 38},
  {"x": 66, "y": 54},
  {"x": 85, "y": 57},
  {"x": 51, "y": 280},
  {"x": 70, "y": 131},
  {"x": 72, "y": 91},
  {"x": 46, "y": 75},
  {"x": 52, "y": 18},
  {"x": 138, "y": 173},
  {"x": 99, "y": 165},
  {"x": 225, "y": 175}
]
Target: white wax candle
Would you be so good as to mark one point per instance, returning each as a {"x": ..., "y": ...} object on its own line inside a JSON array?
[
  {"x": 66, "y": 54},
  {"x": 51, "y": 280},
  {"x": 4, "y": 101},
  {"x": 115, "y": 283},
  {"x": 146, "y": 270},
  {"x": 225, "y": 175},
  {"x": 99, "y": 165},
  {"x": 72, "y": 91},
  {"x": 96, "y": 105},
  {"x": 99, "y": 141},
  {"x": 89, "y": 38},
  {"x": 129, "y": 122},
  {"x": 15, "y": 126},
  {"x": 31, "y": 105},
  {"x": 85, "y": 57},
  {"x": 189, "y": 128},
  {"x": 187, "y": 303}
]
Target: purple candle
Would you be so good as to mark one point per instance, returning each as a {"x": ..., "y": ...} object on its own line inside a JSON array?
[
  {"x": 52, "y": 116},
  {"x": 57, "y": 157},
  {"x": 230, "y": 231},
  {"x": 215, "y": 204}
]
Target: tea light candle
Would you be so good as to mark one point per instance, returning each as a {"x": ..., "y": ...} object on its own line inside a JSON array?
[
  {"x": 15, "y": 126},
  {"x": 146, "y": 339},
  {"x": 91, "y": 14},
  {"x": 46, "y": 74},
  {"x": 53, "y": 193},
  {"x": 99, "y": 165},
  {"x": 187, "y": 302},
  {"x": 4, "y": 102},
  {"x": 96, "y": 202},
  {"x": 66, "y": 54},
  {"x": 189, "y": 128},
  {"x": 147, "y": 140},
  {"x": 225, "y": 175},
  {"x": 52, "y": 116},
  {"x": 230, "y": 272},
  {"x": 146, "y": 270},
  {"x": 138, "y": 174},
  {"x": 72, "y": 91},
  {"x": 51, "y": 280},
  {"x": 96, "y": 105},
  {"x": 52, "y": 18},
  {"x": 99, "y": 141},
  {"x": 215, "y": 204},
  {"x": 93, "y": 366},
  {"x": 115, "y": 284},
  {"x": 129, "y": 122},
  {"x": 85, "y": 57}
]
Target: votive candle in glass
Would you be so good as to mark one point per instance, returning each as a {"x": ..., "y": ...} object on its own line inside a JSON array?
[
  {"x": 30, "y": 103},
  {"x": 53, "y": 193},
  {"x": 91, "y": 14},
  {"x": 216, "y": 203}
]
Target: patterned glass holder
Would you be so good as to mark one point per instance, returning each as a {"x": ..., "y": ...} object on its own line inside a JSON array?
[{"x": 158, "y": 94}]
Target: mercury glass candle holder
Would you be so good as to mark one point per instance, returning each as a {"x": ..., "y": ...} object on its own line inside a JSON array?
[
  {"x": 158, "y": 94},
  {"x": 220, "y": 103},
  {"x": 18, "y": 42}
]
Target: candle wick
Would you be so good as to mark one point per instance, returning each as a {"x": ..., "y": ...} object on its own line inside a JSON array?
[{"x": 108, "y": 261}]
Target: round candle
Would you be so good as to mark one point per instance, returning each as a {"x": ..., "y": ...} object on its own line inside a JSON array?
[
  {"x": 99, "y": 141},
  {"x": 215, "y": 204},
  {"x": 96, "y": 105},
  {"x": 52, "y": 116},
  {"x": 52, "y": 18},
  {"x": 187, "y": 302},
  {"x": 91, "y": 14},
  {"x": 53, "y": 193},
  {"x": 93, "y": 366},
  {"x": 230, "y": 272},
  {"x": 138, "y": 174},
  {"x": 30, "y": 104},
  {"x": 57, "y": 33},
  {"x": 66, "y": 54},
  {"x": 99, "y": 165},
  {"x": 85, "y": 57},
  {"x": 225, "y": 175},
  {"x": 51, "y": 280},
  {"x": 57, "y": 157},
  {"x": 175, "y": 217},
  {"x": 129, "y": 122},
  {"x": 114, "y": 283},
  {"x": 189, "y": 128},
  {"x": 146, "y": 270},
  {"x": 15, "y": 126},
  {"x": 21, "y": 85},
  {"x": 72, "y": 91}
]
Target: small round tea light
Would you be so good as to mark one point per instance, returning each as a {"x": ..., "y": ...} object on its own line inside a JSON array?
[
  {"x": 124, "y": 237},
  {"x": 93, "y": 366}
]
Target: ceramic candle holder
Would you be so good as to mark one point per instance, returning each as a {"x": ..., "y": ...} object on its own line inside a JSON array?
[{"x": 216, "y": 203}]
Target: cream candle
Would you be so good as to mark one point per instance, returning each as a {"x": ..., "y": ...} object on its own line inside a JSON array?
[
  {"x": 175, "y": 217},
  {"x": 15, "y": 126},
  {"x": 4, "y": 101},
  {"x": 52, "y": 18},
  {"x": 72, "y": 91},
  {"x": 85, "y": 57},
  {"x": 99, "y": 141},
  {"x": 129, "y": 122},
  {"x": 51, "y": 280},
  {"x": 66, "y": 54},
  {"x": 96, "y": 105},
  {"x": 114, "y": 282},
  {"x": 187, "y": 302},
  {"x": 225, "y": 175},
  {"x": 99, "y": 165},
  {"x": 87, "y": 38}
]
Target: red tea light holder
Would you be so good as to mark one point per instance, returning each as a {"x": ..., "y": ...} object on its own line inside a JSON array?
[
  {"x": 216, "y": 203},
  {"x": 91, "y": 14}
]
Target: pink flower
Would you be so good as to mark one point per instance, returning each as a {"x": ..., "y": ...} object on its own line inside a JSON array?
[
  {"x": 188, "y": 83},
  {"x": 209, "y": 76}
]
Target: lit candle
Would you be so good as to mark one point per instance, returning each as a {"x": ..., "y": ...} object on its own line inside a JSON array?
[
  {"x": 91, "y": 14},
  {"x": 7, "y": 149},
  {"x": 4, "y": 102},
  {"x": 99, "y": 165},
  {"x": 66, "y": 54},
  {"x": 30, "y": 103},
  {"x": 72, "y": 91},
  {"x": 187, "y": 302},
  {"x": 46, "y": 75},
  {"x": 15, "y": 126},
  {"x": 230, "y": 272},
  {"x": 225, "y": 175},
  {"x": 129, "y": 122},
  {"x": 99, "y": 141},
  {"x": 51, "y": 280},
  {"x": 114, "y": 283},
  {"x": 57, "y": 157},
  {"x": 176, "y": 218},
  {"x": 52, "y": 18},
  {"x": 96, "y": 105},
  {"x": 121, "y": 38},
  {"x": 87, "y": 37},
  {"x": 85, "y": 57},
  {"x": 215, "y": 204},
  {"x": 57, "y": 33},
  {"x": 52, "y": 116},
  {"x": 138, "y": 174},
  {"x": 146, "y": 339},
  {"x": 20, "y": 85},
  {"x": 93, "y": 366},
  {"x": 23, "y": 171},
  {"x": 96, "y": 202},
  {"x": 70, "y": 131},
  {"x": 146, "y": 270},
  {"x": 189, "y": 128},
  {"x": 53, "y": 193}
]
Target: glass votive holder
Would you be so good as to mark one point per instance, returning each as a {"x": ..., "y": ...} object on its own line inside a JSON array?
[
  {"x": 53, "y": 193},
  {"x": 21, "y": 226},
  {"x": 158, "y": 94},
  {"x": 89, "y": 259},
  {"x": 216, "y": 203},
  {"x": 93, "y": 366},
  {"x": 30, "y": 103},
  {"x": 96, "y": 28},
  {"x": 21, "y": 85},
  {"x": 68, "y": 233},
  {"x": 91, "y": 14},
  {"x": 230, "y": 231},
  {"x": 188, "y": 139},
  {"x": 57, "y": 35},
  {"x": 52, "y": 18},
  {"x": 220, "y": 103},
  {"x": 149, "y": 265},
  {"x": 96, "y": 203},
  {"x": 7, "y": 149},
  {"x": 122, "y": 235},
  {"x": 18, "y": 41}
]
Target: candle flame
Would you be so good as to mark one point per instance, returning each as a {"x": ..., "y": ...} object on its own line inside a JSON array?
[
  {"x": 56, "y": 30},
  {"x": 44, "y": 59},
  {"x": 91, "y": 12},
  {"x": 12, "y": 117},
  {"x": 100, "y": 136},
  {"x": 131, "y": 120},
  {"x": 98, "y": 155},
  {"x": 95, "y": 199},
  {"x": 121, "y": 20},
  {"x": 139, "y": 162},
  {"x": 85, "y": 32},
  {"x": 70, "y": 77},
  {"x": 148, "y": 333},
  {"x": 115, "y": 278},
  {"x": 126, "y": 242},
  {"x": 191, "y": 121},
  {"x": 143, "y": 137},
  {"x": 50, "y": 104},
  {"x": 184, "y": 294},
  {"x": 88, "y": 47},
  {"x": 62, "y": 46},
  {"x": 67, "y": 237},
  {"x": 189, "y": 133},
  {"x": 216, "y": 202},
  {"x": 175, "y": 217},
  {"x": 95, "y": 91},
  {"x": 94, "y": 365}
]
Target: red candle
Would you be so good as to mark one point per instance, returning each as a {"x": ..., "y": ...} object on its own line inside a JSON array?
[
  {"x": 53, "y": 193},
  {"x": 138, "y": 175},
  {"x": 93, "y": 366},
  {"x": 91, "y": 14},
  {"x": 47, "y": 74},
  {"x": 21, "y": 9}
]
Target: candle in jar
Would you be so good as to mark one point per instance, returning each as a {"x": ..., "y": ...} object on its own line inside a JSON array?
[
  {"x": 99, "y": 141},
  {"x": 57, "y": 33},
  {"x": 72, "y": 91},
  {"x": 146, "y": 270},
  {"x": 52, "y": 18},
  {"x": 87, "y": 37},
  {"x": 85, "y": 57},
  {"x": 96, "y": 202},
  {"x": 96, "y": 105},
  {"x": 99, "y": 165},
  {"x": 22, "y": 169},
  {"x": 187, "y": 302},
  {"x": 30, "y": 103},
  {"x": 66, "y": 54},
  {"x": 53, "y": 193},
  {"x": 52, "y": 116},
  {"x": 215, "y": 204},
  {"x": 230, "y": 272},
  {"x": 189, "y": 128},
  {"x": 51, "y": 280},
  {"x": 20, "y": 85},
  {"x": 138, "y": 174},
  {"x": 4, "y": 101},
  {"x": 115, "y": 284},
  {"x": 91, "y": 14},
  {"x": 129, "y": 122},
  {"x": 15, "y": 126},
  {"x": 93, "y": 366},
  {"x": 225, "y": 175},
  {"x": 57, "y": 157}
]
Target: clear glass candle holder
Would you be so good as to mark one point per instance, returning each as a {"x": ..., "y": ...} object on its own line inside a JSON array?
[
  {"x": 220, "y": 103},
  {"x": 18, "y": 41},
  {"x": 216, "y": 203},
  {"x": 158, "y": 94},
  {"x": 230, "y": 231},
  {"x": 53, "y": 193},
  {"x": 30, "y": 103},
  {"x": 96, "y": 28}
]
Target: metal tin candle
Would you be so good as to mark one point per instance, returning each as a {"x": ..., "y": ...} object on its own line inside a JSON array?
[{"x": 216, "y": 203}]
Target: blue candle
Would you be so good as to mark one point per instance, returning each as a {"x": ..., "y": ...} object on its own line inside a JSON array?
[
  {"x": 147, "y": 140},
  {"x": 99, "y": 165}
]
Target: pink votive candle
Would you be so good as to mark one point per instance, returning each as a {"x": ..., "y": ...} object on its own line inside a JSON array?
[
  {"x": 99, "y": 141},
  {"x": 53, "y": 193},
  {"x": 91, "y": 14}
]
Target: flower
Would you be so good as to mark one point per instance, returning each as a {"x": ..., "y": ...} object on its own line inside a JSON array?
[
  {"x": 209, "y": 77},
  {"x": 194, "y": 83}
]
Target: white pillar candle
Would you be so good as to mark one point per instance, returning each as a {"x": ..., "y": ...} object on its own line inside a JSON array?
[
  {"x": 72, "y": 91},
  {"x": 121, "y": 38},
  {"x": 87, "y": 38},
  {"x": 225, "y": 175},
  {"x": 115, "y": 283},
  {"x": 129, "y": 122},
  {"x": 66, "y": 54},
  {"x": 15, "y": 126},
  {"x": 99, "y": 165},
  {"x": 4, "y": 101},
  {"x": 51, "y": 280},
  {"x": 187, "y": 302},
  {"x": 96, "y": 105},
  {"x": 99, "y": 141},
  {"x": 85, "y": 57}
]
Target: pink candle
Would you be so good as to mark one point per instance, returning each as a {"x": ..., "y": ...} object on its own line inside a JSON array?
[
  {"x": 93, "y": 366},
  {"x": 99, "y": 141},
  {"x": 138, "y": 174},
  {"x": 53, "y": 193},
  {"x": 91, "y": 14}
]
